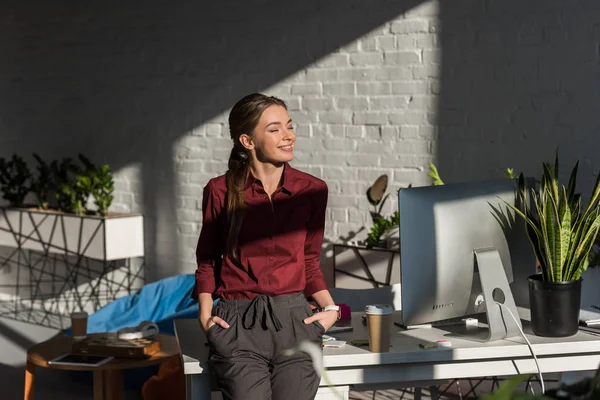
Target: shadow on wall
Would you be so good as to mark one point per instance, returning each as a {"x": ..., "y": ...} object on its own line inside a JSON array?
[
  {"x": 121, "y": 83},
  {"x": 518, "y": 81}
]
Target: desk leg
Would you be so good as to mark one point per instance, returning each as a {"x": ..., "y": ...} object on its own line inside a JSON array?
[
  {"x": 108, "y": 385},
  {"x": 435, "y": 394},
  {"x": 29, "y": 381},
  {"x": 197, "y": 387},
  {"x": 99, "y": 388},
  {"x": 115, "y": 385}
]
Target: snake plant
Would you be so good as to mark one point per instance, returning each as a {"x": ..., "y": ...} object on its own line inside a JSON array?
[{"x": 561, "y": 232}]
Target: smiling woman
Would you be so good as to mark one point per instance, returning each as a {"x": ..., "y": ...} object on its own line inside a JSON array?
[{"x": 258, "y": 253}]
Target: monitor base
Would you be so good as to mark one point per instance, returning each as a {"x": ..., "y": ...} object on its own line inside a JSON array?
[{"x": 495, "y": 287}]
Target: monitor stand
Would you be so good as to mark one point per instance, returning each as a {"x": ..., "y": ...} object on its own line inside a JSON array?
[{"x": 495, "y": 288}]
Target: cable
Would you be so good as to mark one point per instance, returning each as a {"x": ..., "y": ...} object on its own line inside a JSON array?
[{"x": 528, "y": 345}]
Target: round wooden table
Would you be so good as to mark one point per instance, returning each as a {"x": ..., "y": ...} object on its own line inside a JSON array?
[{"x": 108, "y": 378}]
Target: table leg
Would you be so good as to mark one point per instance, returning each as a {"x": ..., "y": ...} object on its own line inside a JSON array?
[
  {"x": 108, "y": 385},
  {"x": 99, "y": 388},
  {"x": 115, "y": 385},
  {"x": 29, "y": 381},
  {"x": 433, "y": 391},
  {"x": 198, "y": 386}
]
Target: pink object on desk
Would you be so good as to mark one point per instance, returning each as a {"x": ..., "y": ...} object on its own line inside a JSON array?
[{"x": 345, "y": 311}]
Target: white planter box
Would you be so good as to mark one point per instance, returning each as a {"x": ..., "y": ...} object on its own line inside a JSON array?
[{"x": 101, "y": 238}]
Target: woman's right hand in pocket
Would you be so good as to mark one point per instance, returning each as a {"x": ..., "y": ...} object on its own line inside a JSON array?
[{"x": 206, "y": 323}]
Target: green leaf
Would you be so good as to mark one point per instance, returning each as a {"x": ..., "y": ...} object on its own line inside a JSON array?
[
  {"x": 576, "y": 209},
  {"x": 551, "y": 179},
  {"x": 434, "y": 174},
  {"x": 551, "y": 235},
  {"x": 585, "y": 246},
  {"x": 565, "y": 235},
  {"x": 545, "y": 255},
  {"x": 506, "y": 389},
  {"x": 578, "y": 253},
  {"x": 533, "y": 233},
  {"x": 510, "y": 173},
  {"x": 578, "y": 232},
  {"x": 595, "y": 194},
  {"x": 572, "y": 183}
]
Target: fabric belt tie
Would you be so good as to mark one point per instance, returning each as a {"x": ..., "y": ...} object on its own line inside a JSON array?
[{"x": 261, "y": 307}]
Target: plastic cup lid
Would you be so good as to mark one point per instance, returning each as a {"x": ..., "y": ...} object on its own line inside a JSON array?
[
  {"x": 79, "y": 314},
  {"x": 378, "y": 309}
]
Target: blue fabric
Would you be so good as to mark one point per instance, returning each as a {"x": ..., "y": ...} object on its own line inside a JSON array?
[{"x": 161, "y": 302}]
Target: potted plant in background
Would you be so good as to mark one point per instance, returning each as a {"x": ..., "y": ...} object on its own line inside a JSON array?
[
  {"x": 562, "y": 234},
  {"x": 385, "y": 231},
  {"x": 60, "y": 221},
  {"x": 41, "y": 183},
  {"x": 14, "y": 178},
  {"x": 385, "y": 227}
]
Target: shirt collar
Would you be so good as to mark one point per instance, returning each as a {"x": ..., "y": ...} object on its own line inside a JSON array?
[{"x": 287, "y": 178}]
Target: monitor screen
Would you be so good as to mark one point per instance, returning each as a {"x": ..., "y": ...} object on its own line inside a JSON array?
[{"x": 441, "y": 227}]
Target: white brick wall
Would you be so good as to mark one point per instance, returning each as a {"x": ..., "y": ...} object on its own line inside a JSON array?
[
  {"x": 360, "y": 112},
  {"x": 497, "y": 86}
]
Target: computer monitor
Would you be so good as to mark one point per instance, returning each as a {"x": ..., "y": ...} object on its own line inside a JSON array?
[{"x": 461, "y": 247}]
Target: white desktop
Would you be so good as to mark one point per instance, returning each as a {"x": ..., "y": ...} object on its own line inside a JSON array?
[{"x": 461, "y": 249}]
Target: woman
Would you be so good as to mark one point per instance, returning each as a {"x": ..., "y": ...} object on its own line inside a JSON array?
[{"x": 258, "y": 253}]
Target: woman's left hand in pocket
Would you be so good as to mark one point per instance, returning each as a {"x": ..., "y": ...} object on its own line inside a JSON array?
[{"x": 325, "y": 318}]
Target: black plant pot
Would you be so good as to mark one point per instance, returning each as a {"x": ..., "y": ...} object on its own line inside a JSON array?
[{"x": 554, "y": 307}]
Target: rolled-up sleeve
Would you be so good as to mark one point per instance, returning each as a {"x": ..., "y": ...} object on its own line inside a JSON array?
[
  {"x": 209, "y": 247},
  {"x": 314, "y": 241}
]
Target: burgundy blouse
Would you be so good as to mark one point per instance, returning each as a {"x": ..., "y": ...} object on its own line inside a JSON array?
[{"x": 279, "y": 242}]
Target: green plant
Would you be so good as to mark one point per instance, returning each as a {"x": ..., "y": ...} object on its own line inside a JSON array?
[
  {"x": 14, "y": 179},
  {"x": 41, "y": 183},
  {"x": 80, "y": 193},
  {"x": 561, "y": 232},
  {"x": 63, "y": 173},
  {"x": 103, "y": 189},
  {"x": 70, "y": 184},
  {"x": 507, "y": 391},
  {"x": 97, "y": 182},
  {"x": 377, "y": 196},
  {"x": 434, "y": 174},
  {"x": 586, "y": 389},
  {"x": 510, "y": 173},
  {"x": 380, "y": 226}
]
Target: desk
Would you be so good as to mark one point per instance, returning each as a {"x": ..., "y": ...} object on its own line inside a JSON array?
[
  {"x": 407, "y": 362},
  {"x": 407, "y": 365},
  {"x": 108, "y": 378}
]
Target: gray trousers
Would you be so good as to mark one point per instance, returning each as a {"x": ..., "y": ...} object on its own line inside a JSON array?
[{"x": 247, "y": 358}]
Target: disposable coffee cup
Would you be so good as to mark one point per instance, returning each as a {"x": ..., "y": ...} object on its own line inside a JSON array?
[
  {"x": 379, "y": 324},
  {"x": 79, "y": 324}
]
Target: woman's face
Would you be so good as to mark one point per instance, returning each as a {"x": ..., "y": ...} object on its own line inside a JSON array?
[{"x": 274, "y": 138}]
